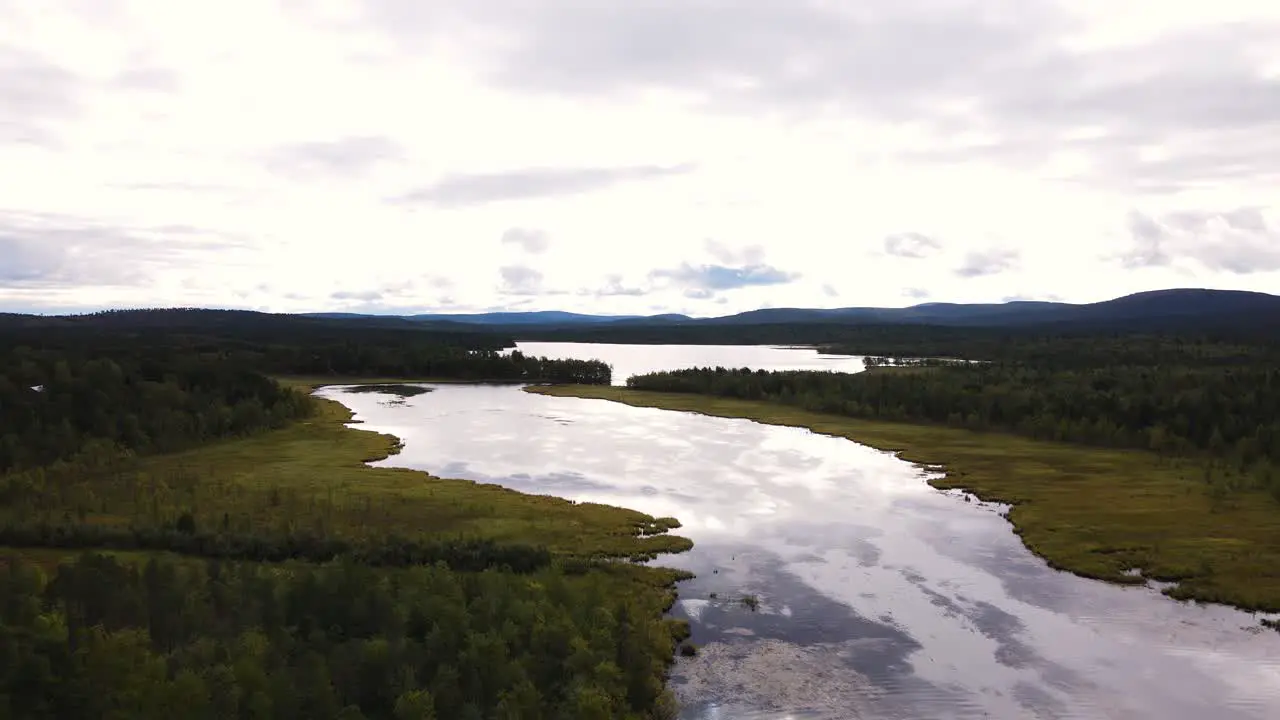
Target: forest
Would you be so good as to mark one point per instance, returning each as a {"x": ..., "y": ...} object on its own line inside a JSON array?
[
  {"x": 104, "y": 638},
  {"x": 183, "y": 533},
  {"x": 74, "y": 392},
  {"x": 1216, "y": 402},
  {"x": 290, "y": 345}
]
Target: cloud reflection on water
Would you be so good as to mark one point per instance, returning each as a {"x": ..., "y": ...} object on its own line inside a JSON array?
[{"x": 862, "y": 569}]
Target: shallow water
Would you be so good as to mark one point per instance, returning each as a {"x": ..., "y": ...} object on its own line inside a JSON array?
[{"x": 879, "y": 596}]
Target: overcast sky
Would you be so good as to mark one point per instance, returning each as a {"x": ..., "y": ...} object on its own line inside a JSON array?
[{"x": 647, "y": 156}]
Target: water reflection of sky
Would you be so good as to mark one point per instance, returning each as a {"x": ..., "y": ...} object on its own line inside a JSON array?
[
  {"x": 877, "y": 593},
  {"x": 628, "y": 360}
]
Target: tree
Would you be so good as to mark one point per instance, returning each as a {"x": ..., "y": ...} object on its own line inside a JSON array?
[{"x": 415, "y": 705}]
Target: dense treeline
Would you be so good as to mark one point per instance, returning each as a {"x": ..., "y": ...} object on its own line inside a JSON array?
[
  {"x": 425, "y": 361},
  {"x": 1073, "y": 352},
  {"x": 57, "y": 406},
  {"x": 1223, "y": 409},
  {"x": 288, "y": 345},
  {"x": 64, "y": 392},
  {"x": 108, "y": 639},
  {"x": 461, "y": 554}
]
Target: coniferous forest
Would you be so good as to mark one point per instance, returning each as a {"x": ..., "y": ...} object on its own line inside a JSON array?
[
  {"x": 160, "y": 560},
  {"x": 66, "y": 391},
  {"x": 165, "y": 638},
  {"x": 1215, "y": 402}
]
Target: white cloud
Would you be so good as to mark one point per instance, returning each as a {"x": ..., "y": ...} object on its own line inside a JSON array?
[
  {"x": 911, "y": 245},
  {"x": 1242, "y": 240},
  {"x": 980, "y": 263},
  {"x": 528, "y": 240},
  {"x": 721, "y": 158}
]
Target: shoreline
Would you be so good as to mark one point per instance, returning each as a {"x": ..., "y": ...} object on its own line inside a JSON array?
[
  {"x": 311, "y": 383},
  {"x": 1120, "y": 516},
  {"x": 313, "y": 476},
  {"x": 663, "y": 580},
  {"x": 319, "y": 466},
  {"x": 645, "y": 526}
]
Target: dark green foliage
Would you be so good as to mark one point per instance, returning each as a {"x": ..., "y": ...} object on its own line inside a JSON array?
[
  {"x": 1053, "y": 351},
  {"x": 439, "y": 600},
  {"x": 75, "y": 395},
  {"x": 65, "y": 405},
  {"x": 402, "y": 391},
  {"x": 102, "y": 638},
  {"x": 1171, "y": 395},
  {"x": 1232, "y": 411},
  {"x": 186, "y": 524},
  {"x": 462, "y": 554},
  {"x": 411, "y": 360}
]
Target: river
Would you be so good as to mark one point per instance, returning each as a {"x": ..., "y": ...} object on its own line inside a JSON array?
[{"x": 878, "y": 596}]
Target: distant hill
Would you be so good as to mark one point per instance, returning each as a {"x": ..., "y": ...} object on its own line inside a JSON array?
[
  {"x": 199, "y": 322},
  {"x": 1155, "y": 305},
  {"x": 1159, "y": 305},
  {"x": 1176, "y": 309},
  {"x": 538, "y": 317},
  {"x": 541, "y": 317}
]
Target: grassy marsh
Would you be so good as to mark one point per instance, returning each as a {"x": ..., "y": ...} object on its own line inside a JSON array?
[
  {"x": 312, "y": 477},
  {"x": 1099, "y": 513}
]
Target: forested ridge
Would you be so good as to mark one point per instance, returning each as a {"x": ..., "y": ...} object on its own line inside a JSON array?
[
  {"x": 1218, "y": 403},
  {"x": 243, "y": 324},
  {"x": 256, "y": 569}
]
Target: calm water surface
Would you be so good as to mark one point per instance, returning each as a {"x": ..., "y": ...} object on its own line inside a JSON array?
[
  {"x": 878, "y": 596},
  {"x": 628, "y": 360}
]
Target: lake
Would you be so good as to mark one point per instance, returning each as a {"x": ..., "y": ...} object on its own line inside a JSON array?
[
  {"x": 878, "y": 596},
  {"x": 628, "y": 360}
]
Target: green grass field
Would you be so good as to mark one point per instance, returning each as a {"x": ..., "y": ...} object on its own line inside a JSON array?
[{"x": 1094, "y": 512}]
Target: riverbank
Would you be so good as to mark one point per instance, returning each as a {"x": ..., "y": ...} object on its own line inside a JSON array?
[
  {"x": 1095, "y": 512},
  {"x": 312, "y": 476},
  {"x": 281, "y": 493},
  {"x": 310, "y": 383},
  {"x": 316, "y": 471}
]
